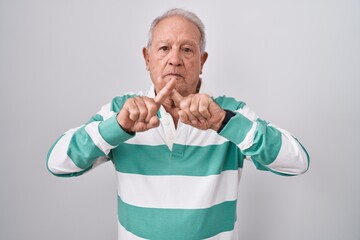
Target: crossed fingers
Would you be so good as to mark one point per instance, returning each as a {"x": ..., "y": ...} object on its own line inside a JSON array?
[
  {"x": 138, "y": 114},
  {"x": 198, "y": 110}
]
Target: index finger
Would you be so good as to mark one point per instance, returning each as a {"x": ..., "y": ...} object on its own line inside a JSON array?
[
  {"x": 176, "y": 97},
  {"x": 165, "y": 91}
]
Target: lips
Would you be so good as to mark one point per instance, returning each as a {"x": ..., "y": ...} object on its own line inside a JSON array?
[{"x": 176, "y": 75}]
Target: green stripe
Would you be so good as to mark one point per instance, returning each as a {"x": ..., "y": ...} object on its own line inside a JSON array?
[
  {"x": 61, "y": 175},
  {"x": 182, "y": 160},
  {"x": 229, "y": 103},
  {"x": 82, "y": 150},
  {"x": 119, "y": 101},
  {"x": 266, "y": 145},
  {"x": 177, "y": 224},
  {"x": 96, "y": 117}
]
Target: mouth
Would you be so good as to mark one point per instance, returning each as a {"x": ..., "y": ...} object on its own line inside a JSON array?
[{"x": 173, "y": 75}]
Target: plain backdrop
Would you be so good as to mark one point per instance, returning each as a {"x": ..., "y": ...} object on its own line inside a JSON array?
[{"x": 296, "y": 63}]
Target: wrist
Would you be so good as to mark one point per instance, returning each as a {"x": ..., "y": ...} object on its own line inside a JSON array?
[
  {"x": 217, "y": 124},
  {"x": 123, "y": 125}
]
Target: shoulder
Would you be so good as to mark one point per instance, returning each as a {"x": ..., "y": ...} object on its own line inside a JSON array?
[
  {"x": 108, "y": 110},
  {"x": 229, "y": 103}
]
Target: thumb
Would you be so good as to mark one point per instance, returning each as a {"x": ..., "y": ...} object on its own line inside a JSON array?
[{"x": 176, "y": 97}]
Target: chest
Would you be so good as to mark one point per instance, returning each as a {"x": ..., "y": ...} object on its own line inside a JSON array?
[{"x": 184, "y": 150}]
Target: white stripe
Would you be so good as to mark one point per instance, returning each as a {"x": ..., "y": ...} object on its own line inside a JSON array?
[
  {"x": 163, "y": 134},
  {"x": 230, "y": 235},
  {"x": 178, "y": 192},
  {"x": 123, "y": 234},
  {"x": 99, "y": 161},
  {"x": 248, "y": 113},
  {"x": 249, "y": 138},
  {"x": 151, "y": 137},
  {"x": 291, "y": 158},
  {"x": 93, "y": 130},
  {"x": 184, "y": 134},
  {"x": 60, "y": 163},
  {"x": 106, "y": 112},
  {"x": 169, "y": 131},
  {"x": 197, "y": 137}
]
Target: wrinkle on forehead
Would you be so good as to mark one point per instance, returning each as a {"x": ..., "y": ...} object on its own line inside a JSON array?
[{"x": 181, "y": 42}]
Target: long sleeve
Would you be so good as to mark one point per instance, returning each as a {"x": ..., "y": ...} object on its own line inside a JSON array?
[
  {"x": 268, "y": 146},
  {"x": 81, "y": 149}
]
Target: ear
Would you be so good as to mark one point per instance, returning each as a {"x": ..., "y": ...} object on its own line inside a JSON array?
[
  {"x": 203, "y": 59},
  {"x": 146, "y": 57}
]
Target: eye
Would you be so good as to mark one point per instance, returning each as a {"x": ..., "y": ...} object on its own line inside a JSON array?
[
  {"x": 164, "y": 48},
  {"x": 187, "y": 50}
]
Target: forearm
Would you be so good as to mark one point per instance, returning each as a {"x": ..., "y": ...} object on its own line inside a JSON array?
[
  {"x": 80, "y": 149},
  {"x": 270, "y": 147}
]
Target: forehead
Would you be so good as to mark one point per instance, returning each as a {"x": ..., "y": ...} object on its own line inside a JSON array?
[{"x": 176, "y": 28}]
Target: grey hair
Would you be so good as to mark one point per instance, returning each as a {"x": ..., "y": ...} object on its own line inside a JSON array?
[{"x": 190, "y": 16}]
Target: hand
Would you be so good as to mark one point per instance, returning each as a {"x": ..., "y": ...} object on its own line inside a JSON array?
[
  {"x": 138, "y": 114},
  {"x": 198, "y": 110}
]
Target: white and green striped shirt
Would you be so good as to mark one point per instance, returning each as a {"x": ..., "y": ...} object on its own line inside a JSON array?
[{"x": 177, "y": 183}]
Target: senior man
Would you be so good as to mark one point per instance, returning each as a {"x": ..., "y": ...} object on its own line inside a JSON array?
[{"x": 178, "y": 152}]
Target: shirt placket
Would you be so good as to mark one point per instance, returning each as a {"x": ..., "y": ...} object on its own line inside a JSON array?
[
  {"x": 169, "y": 127},
  {"x": 172, "y": 134}
]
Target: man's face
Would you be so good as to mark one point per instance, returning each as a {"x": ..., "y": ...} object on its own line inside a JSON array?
[{"x": 175, "y": 53}]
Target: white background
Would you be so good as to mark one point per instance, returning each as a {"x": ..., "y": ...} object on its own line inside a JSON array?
[{"x": 296, "y": 63}]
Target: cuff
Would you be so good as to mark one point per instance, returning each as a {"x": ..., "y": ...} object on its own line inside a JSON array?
[
  {"x": 112, "y": 133},
  {"x": 237, "y": 128},
  {"x": 228, "y": 115}
]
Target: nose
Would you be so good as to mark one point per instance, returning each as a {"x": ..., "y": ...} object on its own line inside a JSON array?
[{"x": 175, "y": 58}]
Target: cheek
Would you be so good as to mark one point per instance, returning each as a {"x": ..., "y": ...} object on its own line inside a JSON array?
[
  {"x": 193, "y": 67},
  {"x": 156, "y": 63}
]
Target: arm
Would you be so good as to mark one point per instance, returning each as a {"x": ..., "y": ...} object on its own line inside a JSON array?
[
  {"x": 269, "y": 147},
  {"x": 81, "y": 149}
]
